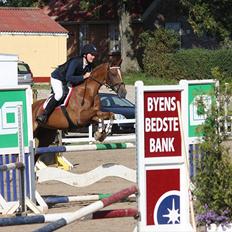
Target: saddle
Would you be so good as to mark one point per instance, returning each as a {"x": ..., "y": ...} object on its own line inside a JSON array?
[{"x": 64, "y": 100}]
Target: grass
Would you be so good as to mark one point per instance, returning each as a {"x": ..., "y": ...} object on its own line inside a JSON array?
[{"x": 131, "y": 78}]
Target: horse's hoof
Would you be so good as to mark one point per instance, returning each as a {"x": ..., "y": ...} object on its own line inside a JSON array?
[
  {"x": 97, "y": 135},
  {"x": 100, "y": 136}
]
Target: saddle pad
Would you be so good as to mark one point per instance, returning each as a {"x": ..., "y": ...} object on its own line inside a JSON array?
[{"x": 64, "y": 101}]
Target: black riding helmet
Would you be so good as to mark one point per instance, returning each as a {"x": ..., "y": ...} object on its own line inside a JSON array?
[{"x": 89, "y": 48}]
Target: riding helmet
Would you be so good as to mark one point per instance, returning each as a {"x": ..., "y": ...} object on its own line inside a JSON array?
[{"x": 89, "y": 48}]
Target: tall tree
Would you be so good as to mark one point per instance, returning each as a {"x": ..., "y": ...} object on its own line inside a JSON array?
[
  {"x": 210, "y": 16},
  {"x": 126, "y": 34}
]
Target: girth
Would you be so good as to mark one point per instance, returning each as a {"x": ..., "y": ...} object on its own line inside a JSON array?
[{"x": 71, "y": 125}]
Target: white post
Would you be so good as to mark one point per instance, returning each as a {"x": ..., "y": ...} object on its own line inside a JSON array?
[{"x": 22, "y": 178}]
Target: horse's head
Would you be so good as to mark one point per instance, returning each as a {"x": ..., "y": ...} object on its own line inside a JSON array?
[{"x": 114, "y": 79}]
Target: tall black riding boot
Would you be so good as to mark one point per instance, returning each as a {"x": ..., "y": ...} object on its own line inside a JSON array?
[{"x": 42, "y": 118}]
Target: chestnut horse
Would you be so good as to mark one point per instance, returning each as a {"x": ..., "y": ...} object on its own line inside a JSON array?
[{"x": 83, "y": 107}]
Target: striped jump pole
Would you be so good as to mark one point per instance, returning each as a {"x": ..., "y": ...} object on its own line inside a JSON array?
[
  {"x": 90, "y": 147},
  {"x": 46, "y": 218},
  {"x": 67, "y": 199},
  {"x": 92, "y": 197},
  {"x": 67, "y": 219},
  {"x": 114, "y": 213}
]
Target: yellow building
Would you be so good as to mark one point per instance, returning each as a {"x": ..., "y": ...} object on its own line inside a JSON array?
[{"x": 35, "y": 38}]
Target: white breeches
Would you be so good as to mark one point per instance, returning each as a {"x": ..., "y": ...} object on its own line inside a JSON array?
[{"x": 57, "y": 88}]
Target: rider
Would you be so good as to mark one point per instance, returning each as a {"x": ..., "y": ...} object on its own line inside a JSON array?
[{"x": 74, "y": 71}]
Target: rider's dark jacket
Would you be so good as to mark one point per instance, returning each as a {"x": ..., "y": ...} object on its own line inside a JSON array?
[{"x": 72, "y": 71}]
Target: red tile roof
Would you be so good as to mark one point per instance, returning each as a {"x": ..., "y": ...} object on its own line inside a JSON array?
[{"x": 31, "y": 20}]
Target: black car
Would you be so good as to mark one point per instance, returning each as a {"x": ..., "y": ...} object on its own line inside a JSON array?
[{"x": 122, "y": 108}]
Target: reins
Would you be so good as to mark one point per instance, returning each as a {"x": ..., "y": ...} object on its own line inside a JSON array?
[{"x": 83, "y": 99}]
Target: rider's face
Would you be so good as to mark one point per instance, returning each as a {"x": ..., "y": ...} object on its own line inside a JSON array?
[{"x": 90, "y": 57}]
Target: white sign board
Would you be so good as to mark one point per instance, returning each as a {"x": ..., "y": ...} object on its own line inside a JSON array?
[
  {"x": 8, "y": 70},
  {"x": 162, "y": 178}
]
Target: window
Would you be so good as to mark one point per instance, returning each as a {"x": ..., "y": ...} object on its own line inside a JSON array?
[
  {"x": 114, "y": 38},
  {"x": 83, "y": 35}
]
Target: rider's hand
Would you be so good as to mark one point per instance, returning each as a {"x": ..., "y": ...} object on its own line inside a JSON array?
[{"x": 86, "y": 75}]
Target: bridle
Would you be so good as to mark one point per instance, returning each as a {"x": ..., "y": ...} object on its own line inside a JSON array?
[
  {"x": 108, "y": 85},
  {"x": 113, "y": 87},
  {"x": 119, "y": 84}
]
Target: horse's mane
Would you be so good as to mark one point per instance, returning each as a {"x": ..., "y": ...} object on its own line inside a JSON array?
[{"x": 99, "y": 67}]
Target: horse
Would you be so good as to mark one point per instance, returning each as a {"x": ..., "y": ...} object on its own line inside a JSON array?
[{"x": 83, "y": 107}]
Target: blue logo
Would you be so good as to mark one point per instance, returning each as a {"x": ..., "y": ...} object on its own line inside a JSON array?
[{"x": 167, "y": 209}]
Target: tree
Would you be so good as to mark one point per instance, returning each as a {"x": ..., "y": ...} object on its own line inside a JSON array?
[
  {"x": 130, "y": 62},
  {"x": 212, "y": 17},
  {"x": 213, "y": 180},
  {"x": 122, "y": 10},
  {"x": 19, "y": 3}
]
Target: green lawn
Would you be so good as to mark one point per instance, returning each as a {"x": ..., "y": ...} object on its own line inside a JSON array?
[{"x": 131, "y": 78}]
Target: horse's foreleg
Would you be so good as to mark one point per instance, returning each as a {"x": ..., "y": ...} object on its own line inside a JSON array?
[
  {"x": 103, "y": 130},
  {"x": 109, "y": 125},
  {"x": 109, "y": 116}
]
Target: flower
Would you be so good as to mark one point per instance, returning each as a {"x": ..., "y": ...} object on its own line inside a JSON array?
[{"x": 211, "y": 217}]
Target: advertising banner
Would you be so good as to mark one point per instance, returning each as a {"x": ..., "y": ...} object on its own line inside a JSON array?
[
  {"x": 162, "y": 134},
  {"x": 163, "y": 200}
]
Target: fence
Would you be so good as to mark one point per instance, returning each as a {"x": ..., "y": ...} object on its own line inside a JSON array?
[{"x": 82, "y": 138}]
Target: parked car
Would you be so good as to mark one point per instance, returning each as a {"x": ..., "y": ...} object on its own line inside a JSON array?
[
  {"x": 122, "y": 108},
  {"x": 25, "y": 76}
]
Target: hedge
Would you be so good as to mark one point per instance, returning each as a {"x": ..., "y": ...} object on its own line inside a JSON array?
[{"x": 189, "y": 64}]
